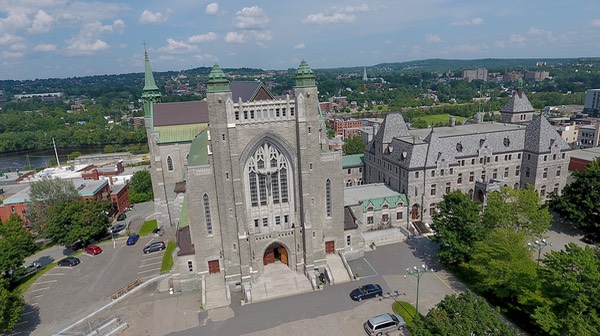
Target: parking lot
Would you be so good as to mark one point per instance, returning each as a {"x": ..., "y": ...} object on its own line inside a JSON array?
[{"x": 64, "y": 294}]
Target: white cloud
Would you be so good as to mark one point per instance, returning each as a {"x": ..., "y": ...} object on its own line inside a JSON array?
[
  {"x": 45, "y": 47},
  {"x": 539, "y": 34},
  {"x": 499, "y": 44},
  {"x": 433, "y": 38},
  {"x": 177, "y": 47},
  {"x": 203, "y": 38},
  {"x": 9, "y": 54},
  {"x": 321, "y": 18},
  {"x": 467, "y": 22},
  {"x": 262, "y": 36},
  {"x": 356, "y": 9},
  {"x": 595, "y": 23},
  {"x": 517, "y": 38},
  {"x": 251, "y": 18},
  {"x": 80, "y": 46},
  {"x": 206, "y": 57},
  {"x": 18, "y": 46},
  {"x": 9, "y": 39},
  {"x": 147, "y": 17},
  {"x": 212, "y": 8},
  {"x": 234, "y": 37},
  {"x": 42, "y": 22},
  {"x": 13, "y": 22},
  {"x": 299, "y": 46}
]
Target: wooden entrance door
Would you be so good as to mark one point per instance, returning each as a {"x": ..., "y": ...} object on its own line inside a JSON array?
[
  {"x": 283, "y": 255},
  {"x": 269, "y": 256},
  {"x": 213, "y": 266},
  {"x": 330, "y": 246}
]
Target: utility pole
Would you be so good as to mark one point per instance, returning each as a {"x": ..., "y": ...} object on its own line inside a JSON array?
[{"x": 417, "y": 272}]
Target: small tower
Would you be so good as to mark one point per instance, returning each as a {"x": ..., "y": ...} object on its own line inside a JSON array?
[
  {"x": 150, "y": 93},
  {"x": 365, "y": 78},
  {"x": 519, "y": 108}
]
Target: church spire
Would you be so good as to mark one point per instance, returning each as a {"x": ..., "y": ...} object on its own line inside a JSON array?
[
  {"x": 217, "y": 80},
  {"x": 150, "y": 93},
  {"x": 305, "y": 76}
]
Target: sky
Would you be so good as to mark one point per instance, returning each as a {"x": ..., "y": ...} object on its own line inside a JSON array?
[{"x": 68, "y": 38}]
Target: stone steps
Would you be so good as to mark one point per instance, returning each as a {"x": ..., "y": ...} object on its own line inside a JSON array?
[
  {"x": 338, "y": 271},
  {"x": 216, "y": 293}
]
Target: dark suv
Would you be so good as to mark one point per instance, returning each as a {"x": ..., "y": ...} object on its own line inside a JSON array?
[{"x": 156, "y": 246}]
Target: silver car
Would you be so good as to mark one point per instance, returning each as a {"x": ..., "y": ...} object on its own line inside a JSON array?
[{"x": 384, "y": 323}]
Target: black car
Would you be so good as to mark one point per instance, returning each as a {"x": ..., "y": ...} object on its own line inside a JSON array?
[
  {"x": 69, "y": 261},
  {"x": 156, "y": 246},
  {"x": 118, "y": 228},
  {"x": 121, "y": 217},
  {"x": 591, "y": 238},
  {"x": 366, "y": 292},
  {"x": 157, "y": 232}
]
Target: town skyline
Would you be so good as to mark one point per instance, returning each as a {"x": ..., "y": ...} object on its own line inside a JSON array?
[{"x": 67, "y": 38}]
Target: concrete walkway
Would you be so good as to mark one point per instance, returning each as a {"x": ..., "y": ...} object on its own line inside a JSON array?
[{"x": 279, "y": 280}]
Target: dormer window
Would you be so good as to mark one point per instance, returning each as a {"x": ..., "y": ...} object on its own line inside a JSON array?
[
  {"x": 506, "y": 142},
  {"x": 459, "y": 147}
]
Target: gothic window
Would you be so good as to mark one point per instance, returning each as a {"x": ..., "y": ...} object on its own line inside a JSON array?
[
  {"x": 328, "y": 197},
  {"x": 169, "y": 163},
  {"x": 558, "y": 171},
  {"x": 527, "y": 172},
  {"x": 207, "y": 218}
]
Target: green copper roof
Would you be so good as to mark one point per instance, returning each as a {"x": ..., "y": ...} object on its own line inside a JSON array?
[
  {"x": 351, "y": 161},
  {"x": 184, "y": 218},
  {"x": 217, "y": 80},
  {"x": 305, "y": 76},
  {"x": 198, "y": 155},
  {"x": 149, "y": 84},
  {"x": 391, "y": 201},
  {"x": 179, "y": 133},
  {"x": 519, "y": 84}
]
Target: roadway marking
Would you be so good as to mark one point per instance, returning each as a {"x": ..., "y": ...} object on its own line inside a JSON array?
[
  {"x": 37, "y": 296},
  {"x": 146, "y": 271},
  {"x": 151, "y": 264},
  {"x": 29, "y": 312},
  {"x": 374, "y": 271},
  {"x": 39, "y": 289},
  {"x": 445, "y": 283},
  {"x": 44, "y": 282},
  {"x": 20, "y": 323}
]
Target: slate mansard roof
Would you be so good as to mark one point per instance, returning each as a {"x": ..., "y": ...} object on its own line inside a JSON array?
[{"x": 442, "y": 146}]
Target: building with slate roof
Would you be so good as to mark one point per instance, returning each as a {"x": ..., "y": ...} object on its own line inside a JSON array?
[
  {"x": 477, "y": 158},
  {"x": 247, "y": 179},
  {"x": 352, "y": 169},
  {"x": 519, "y": 108}
]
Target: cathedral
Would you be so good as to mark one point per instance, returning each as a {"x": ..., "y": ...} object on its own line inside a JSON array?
[{"x": 246, "y": 179}]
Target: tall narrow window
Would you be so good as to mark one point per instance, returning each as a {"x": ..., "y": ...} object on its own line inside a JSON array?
[
  {"x": 169, "y": 163},
  {"x": 207, "y": 218},
  {"x": 328, "y": 197},
  {"x": 284, "y": 185},
  {"x": 253, "y": 189}
]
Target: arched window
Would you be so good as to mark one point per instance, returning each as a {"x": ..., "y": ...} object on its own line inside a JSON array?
[
  {"x": 328, "y": 197},
  {"x": 169, "y": 163},
  {"x": 207, "y": 218}
]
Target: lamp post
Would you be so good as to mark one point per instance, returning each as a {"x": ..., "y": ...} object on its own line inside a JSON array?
[
  {"x": 416, "y": 272},
  {"x": 539, "y": 246}
]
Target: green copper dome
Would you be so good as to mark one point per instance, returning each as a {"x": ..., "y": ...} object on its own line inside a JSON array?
[
  {"x": 519, "y": 84},
  {"x": 305, "y": 76},
  {"x": 217, "y": 80}
]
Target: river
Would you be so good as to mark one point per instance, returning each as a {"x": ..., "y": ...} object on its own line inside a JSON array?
[{"x": 40, "y": 158}]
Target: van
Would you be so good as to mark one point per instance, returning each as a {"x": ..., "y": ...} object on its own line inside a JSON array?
[{"x": 384, "y": 323}]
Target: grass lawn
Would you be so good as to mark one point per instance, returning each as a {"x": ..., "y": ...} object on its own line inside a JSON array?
[
  {"x": 406, "y": 310},
  {"x": 440, "y": 119},
  {"x": 167, "y": 262},
  {"x": 147, "y": 227}
]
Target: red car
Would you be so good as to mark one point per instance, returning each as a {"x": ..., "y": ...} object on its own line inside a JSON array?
[{"x": 93, "y": 249}]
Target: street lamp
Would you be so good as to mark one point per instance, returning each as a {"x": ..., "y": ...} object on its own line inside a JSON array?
[
  {"x": 416, "y": 272},
  {"x": 539, "y": 246}
]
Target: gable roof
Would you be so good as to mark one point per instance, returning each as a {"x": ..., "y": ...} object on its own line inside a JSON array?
[
  {"x": 540, "y": 136},
  {"x": 393, "y": 126},
  {"x": 354, "y": 160},
  {"x": 249, "y": 91},
  {"x": 180, "y": 113},
  {"x": 199, "y": 154}
]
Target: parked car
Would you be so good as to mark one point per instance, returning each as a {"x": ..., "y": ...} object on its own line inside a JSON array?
[
  {"x": 69, "y": 261},
  {"x": 157, "y": 232},
  {"x": 384, "y": 323},
  {"x": 133, "y": 239},
  {"x": 366, "y": 292},
  {"x": 116, "y": 228},
  {"x": 93, "y": 249},
  {"x": 156, "y": 246},
  {"x": 121, "y": 217},
  {"x": 591, "y": 238}
]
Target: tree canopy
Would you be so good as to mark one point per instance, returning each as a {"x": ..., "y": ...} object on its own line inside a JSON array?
[
  {"x": 43, "y": 195},
  {"x": 16, "y": 243},
  {"x": 70, "y": 221},
  {"x": 579, "y": 203},
  {"x": 12, "y": 306},
  {"x": 457, "y": 227},
  {"x": 354, "y": 145},
  {"x": 464, "y": 314},
  {"x": 517, "y": 209},
  {"x": 140, "y": 187}
]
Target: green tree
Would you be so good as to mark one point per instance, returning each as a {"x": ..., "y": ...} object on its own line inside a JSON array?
[
  {"x": 74, "y": 155},
  {"x": 70, "y": 221},
  {"x": 579, "y": 203},
  {"x": 16, "y": 243},
  {"x": 457, "y": 227},
  {"x": 503, "y": 265},
  {"x": 464, "y": 314},
  {"x": 517, "y": 209},
  {"x": 570, "y": 280},
  {"x": 12, "y": 306},
  {"x": 43, "y": 195},
  {"x": 140, "y": 187},
  {"x": 354, "y": 145}
]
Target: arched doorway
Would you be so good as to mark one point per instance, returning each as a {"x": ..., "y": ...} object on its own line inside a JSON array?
[
  {"x": 275, "y": 253},
  {"x": 480, "y": 196},
  {"x": 415, "y": 212}
]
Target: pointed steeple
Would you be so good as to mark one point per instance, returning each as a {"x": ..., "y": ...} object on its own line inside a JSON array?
[
  {"x": 150, "y": 93},
  {"x": 305, "y": 76},
  {"x": 217, "y": 80}
]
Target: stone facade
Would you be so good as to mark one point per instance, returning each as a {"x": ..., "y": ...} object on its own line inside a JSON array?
[
  {"x": 425, "y": 164},
  {"x": 260, "y": 185}
]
